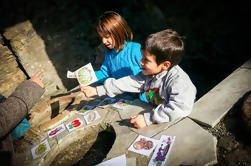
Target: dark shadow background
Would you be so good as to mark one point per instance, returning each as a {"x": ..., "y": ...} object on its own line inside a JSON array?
[{"x": 216, "y": 32}]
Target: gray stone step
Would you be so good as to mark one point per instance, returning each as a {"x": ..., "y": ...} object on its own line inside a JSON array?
[{"x": 215, "y": 104}]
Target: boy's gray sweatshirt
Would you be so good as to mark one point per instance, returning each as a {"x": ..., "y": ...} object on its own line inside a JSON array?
[{"x": 174, "y": 86}]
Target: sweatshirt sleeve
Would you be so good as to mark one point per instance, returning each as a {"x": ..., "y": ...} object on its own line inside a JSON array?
[
  {"x": 17, "y": 105},
  {"x": 179, "y": 103},
  {"x": 104, "y": 71},
  {"x": 113, "y": 87}
]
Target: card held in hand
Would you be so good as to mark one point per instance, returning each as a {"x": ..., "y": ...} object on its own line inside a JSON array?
[{"x": 86, "y": 75}]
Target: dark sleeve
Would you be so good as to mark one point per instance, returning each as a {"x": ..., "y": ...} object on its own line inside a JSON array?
[{"x": 16, "y": 107}]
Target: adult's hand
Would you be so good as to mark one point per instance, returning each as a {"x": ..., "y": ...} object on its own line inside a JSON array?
[
  {"x": 37, "y": 80},
  {"x": 138, "y": 121}
]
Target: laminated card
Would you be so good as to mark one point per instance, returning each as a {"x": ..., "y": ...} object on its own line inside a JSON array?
[
  {"x": 162, "y": 151},
  {"x": 86, "y": 75}
]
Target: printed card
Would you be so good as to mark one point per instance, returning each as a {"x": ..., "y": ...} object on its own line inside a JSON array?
[
  {"x": 74, "y": 124},
  {"x": 91, "y": 117},
  {"x": 104, "y": 103},
  {"x": 122, "y": 104},
  {"x": 70, "y": 74},
  {"x": 120, "y": 160},
  {"x": 86, "y": 75},
  {"x": 162, "y": 151},
  {"x": 85, "y": 109},
  {"x": 40, "y": 149},
  {"x": 56, "y": 131},
  {"x": 143, "y": 145}
]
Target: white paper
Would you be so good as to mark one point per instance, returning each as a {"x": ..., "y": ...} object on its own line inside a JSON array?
[
  {"x": 56, "y": 131},
  {"x": 40, "y": 149},
  {"x": 162, "y": 151},
  {"x": 91, "y": 117},
  {"x": 73, "y": 125},
  {"x": 116, "y": 161},
  {"x": 122, "y": 104},
  {"x": 143, "y": 145},
  {"x": 104, "y": 103},
  {"x": 70, "y": 74},
  {"x": 86, "y": 75}
]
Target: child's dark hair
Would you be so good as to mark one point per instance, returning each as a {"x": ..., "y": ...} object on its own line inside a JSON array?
[
  {"x": 111, "y": 23},
  {"x": 166, "y": 45}
]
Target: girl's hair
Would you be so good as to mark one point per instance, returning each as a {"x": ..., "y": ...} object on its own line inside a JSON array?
[
  {"x": 111, "y": 23},
  {"x": 166, "y": 45}
]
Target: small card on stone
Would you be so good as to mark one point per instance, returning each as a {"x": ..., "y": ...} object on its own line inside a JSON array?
[
  {"x": 91, "y": 117},
  {"x": 122, "y": 104},
  {"x": 85, "y": 109},
  {"x": 162, "y": 151},
  {"x": 40, "y": 149},
  {"x": 104, "y": 103},
  {"x": 56, "y": 131},
  {"x": 86, "y": 75},
  {"x": 143, "y": 145},
  {"x": 73, "y": 125}
]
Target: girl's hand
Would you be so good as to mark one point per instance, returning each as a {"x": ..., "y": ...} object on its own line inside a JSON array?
[
  {"x": 138, "y": 121},
  {"x": 88, "y": 90}
]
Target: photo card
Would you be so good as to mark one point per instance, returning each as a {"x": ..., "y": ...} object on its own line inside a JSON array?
[
  {"x": 122, "y": 104},
  {"x": 59, "y": 129},
  {"x": 73, "y": 125},
  {"x": 162, "y": 151},
  {"x": 143, "y": 145},
  {"x": 105, "y": 103},
  {"x": 86, "y": 75},
  {"x": 40, "y": 149},
  {"x": 91, "y": 117},
  {"x": 85, "y": 109}
]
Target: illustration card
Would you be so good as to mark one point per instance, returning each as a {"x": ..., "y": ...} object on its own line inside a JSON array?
[
  {"x": 120, "y": 160},
  {"x": 56, "y": 131},
  {"x": 122, "y": 104},
  {"x": 143, "y": 145},
  {"x": 162, "y": 151},
  {"x": 85, "y": 109},
  {"x": 104, "y": 103},
  {"x": 40, "y": 149},
  {"x": 91, "y": 117},
  {"x": 70, "y": 74},
  {"x": 74, "y": 124},
  {"x": 86, "y": 75}
]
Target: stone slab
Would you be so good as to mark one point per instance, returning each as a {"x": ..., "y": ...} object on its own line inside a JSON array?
[
  {"x": 10, "y": 74},
  {"x": 124, "y": 138},
  {"x": 137, "y": 107},
  {"x": 214, "y": 105},
  {"x": 31, "y": 51},
  {"x": 192, "y": 146},
  {"x": 247, "y": 64}
]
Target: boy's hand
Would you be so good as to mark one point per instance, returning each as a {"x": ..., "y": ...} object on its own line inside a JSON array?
[
  {"x": 138, "y": 121},
  {"x": 36, "y": 79},
  {"x": 89, "y": 91}
]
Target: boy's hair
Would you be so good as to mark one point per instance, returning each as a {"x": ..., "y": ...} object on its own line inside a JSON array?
[
  {"x": 111, "y": 23},
  {"x": 166, "y": 45}
]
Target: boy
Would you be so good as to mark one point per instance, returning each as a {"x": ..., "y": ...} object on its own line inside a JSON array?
[{"x": 165, "y": 83}]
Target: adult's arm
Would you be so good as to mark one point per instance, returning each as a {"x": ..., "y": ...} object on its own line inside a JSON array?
[{"x": 18, "y": 104}]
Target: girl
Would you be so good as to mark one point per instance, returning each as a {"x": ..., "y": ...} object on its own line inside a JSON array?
[{"x": 122, "y": 56}]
